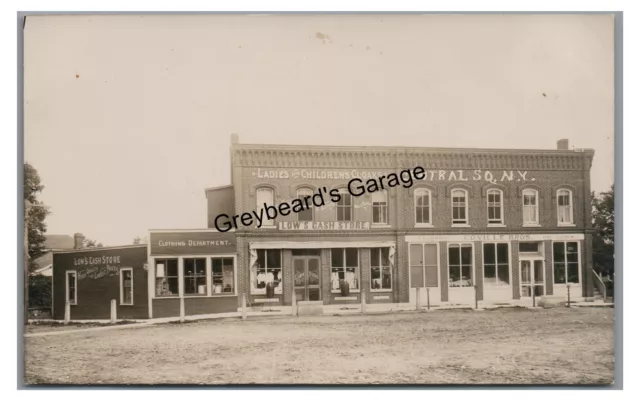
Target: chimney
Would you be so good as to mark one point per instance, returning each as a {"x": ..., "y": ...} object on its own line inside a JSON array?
[
  {"x": 234, "y": 138},
  {"x": 563, "y": 144},
  {"x": 78, "y": 240}
]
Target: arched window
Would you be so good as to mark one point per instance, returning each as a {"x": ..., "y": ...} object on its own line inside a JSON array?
[
  {"x": 344, "y": 207},
  {"x": 530, "y": 211},
  {"x": 380, "y": 207},
  {"x": 307, "y": 213},
  {"x": 459, "y": 206},
  {"x": 264, "y": 199},
  {"x": 422, "y": 203},
  {"x": 565, "y": 207},
  {"x": 494, "y": 206}
]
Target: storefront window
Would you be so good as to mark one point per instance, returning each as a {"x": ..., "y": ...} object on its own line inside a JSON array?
[
  {"x": 126, "y": 286},
  {"x": 266, "y": 270},
  {"x": 423, "y": 262},
  {"x": 166, "y": 277},
  {"x": 566, "y": 268},
  {"x": 496, "y": 265},
  {"x": 380, "y": 208},
  {"x": 222, "y": 276},
  {"x": 380, "y": 269},
  {"x": 344, "y": 266},
  {"x": 195, "y": 276},
  {"x": 460, "y": 265}
]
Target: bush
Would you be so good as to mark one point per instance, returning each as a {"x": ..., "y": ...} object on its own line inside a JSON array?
[{"x": 40, "y": 291}]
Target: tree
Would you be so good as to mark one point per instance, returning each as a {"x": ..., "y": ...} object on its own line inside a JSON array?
[
  {"x": 136, "y": 240},
  {"x": 36, "y": 226},
  {"x": 91, "y": 243},
  {"x": 603, "y": 217}
]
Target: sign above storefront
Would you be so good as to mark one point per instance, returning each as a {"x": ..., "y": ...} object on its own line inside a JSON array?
[
  {"x": 191, "y": 243},
  {"x": 324, "y": 225},
  {"x": 430, "y": 175}
]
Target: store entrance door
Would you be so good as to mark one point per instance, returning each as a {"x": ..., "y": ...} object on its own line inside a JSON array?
[
  {"x": 531, "y": 278},
  {"x": 306, "y": 278}
]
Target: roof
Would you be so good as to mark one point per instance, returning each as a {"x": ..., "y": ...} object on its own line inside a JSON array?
[
  {"x": 58, "y": 242},
  {"x": 95, "y": 249}
]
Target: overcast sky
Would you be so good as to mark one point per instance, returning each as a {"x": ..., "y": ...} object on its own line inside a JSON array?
[{"x": 128, "y": 118}]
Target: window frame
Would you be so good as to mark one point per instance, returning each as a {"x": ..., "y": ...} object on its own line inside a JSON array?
[
  {"x": 344, "y": 268},
  {"x": 495, "y": 245},
  {"x": 263, "y": 291},
  {"x": 75, "y": 279},
  {"x": 380, "y": 266},
  {"x": 338, "y": 207},
  {"x": 464, "y": 223},
  {"x": 266, "y": 223},
  {"x": 473, "y": 270},
  {"x": 501, "y": 206},
  {"x": 420, "y": 192},
  {"x": 301, "y": 197},
  {"x": 571, "y": 222},
  {"x": 537, "y": 208},
  {"x": 566, "y": 263},
  {"x": 155, "y": 276},
  {"x": 123, "y": 269},
  {"x": 210, "y": 275},
  {"x": 195, "y": 276},
  {"x": 384, "y": 208}
]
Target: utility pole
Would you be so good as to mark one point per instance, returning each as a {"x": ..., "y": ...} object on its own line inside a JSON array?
[{"x": 27, "y": 206}]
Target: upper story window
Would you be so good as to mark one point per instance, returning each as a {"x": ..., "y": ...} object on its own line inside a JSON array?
[
  {"x": 459, "y": 207},
  {"x": 565, "y": 207},
  {"x": 494, "y": 206},
  {"x": 344, "y": 207},
  {"x": 265, "y": 196},
  {"x": 306, "y": 214},
  {"x": 422, "y": 202},
  {"x": 380, "y": 207},
  {"x": 530, "y": 214}
]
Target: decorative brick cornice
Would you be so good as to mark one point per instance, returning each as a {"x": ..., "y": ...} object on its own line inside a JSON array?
[{"x": 399, "y": 158}]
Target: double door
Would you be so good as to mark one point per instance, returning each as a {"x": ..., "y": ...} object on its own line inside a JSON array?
[
  {"x": 531, "y": 278},
  {"x": 306, "y": 278}
]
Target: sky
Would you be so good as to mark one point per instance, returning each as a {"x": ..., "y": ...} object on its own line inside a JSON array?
[{"x": 128, "y": 118}]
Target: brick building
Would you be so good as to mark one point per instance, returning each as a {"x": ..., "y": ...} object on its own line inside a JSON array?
[{"x": 505, "y": 223}]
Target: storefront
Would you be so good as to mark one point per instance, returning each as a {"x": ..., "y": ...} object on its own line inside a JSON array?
[{"x": 192, "y": 269}]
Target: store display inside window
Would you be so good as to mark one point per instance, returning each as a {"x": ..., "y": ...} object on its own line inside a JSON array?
[
  {"x": 222, "y": 279},
  {"x": 267, "y": 270},
  {"x": 344, "y": 267},
  {"x": 167, "y": 277}
]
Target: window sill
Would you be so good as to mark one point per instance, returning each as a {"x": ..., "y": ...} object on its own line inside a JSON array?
[
  {"x": 126, "y": 304},
  {"x": 423, "y": 225},
  {"x": 267, "y": 227},
  {"x": 382, "y": 291},
  {"x": 499, "y": 225},
  {"x": 531, "y": 225},
  {"x": 380, "y": 225},
  {"x": 350, "y": 292},
  {"x": 461, "y": 225},
  {"x": 196, "y": 296},
  {"x": 566, "y": 225}
]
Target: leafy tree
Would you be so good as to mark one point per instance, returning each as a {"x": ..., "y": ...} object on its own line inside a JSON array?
[
  {"x": 91, "y": 243},
  {"x": 36, "y": 226},
  {"x": 136, "y": 240},
  {"x": 603, "y": 217}
]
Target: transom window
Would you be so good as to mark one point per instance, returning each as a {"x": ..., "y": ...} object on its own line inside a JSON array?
[
  {"x": 267, "y": 271},
  {"x": 566, "y": 267},
  {"x": 494, "y": 206},
  {"x": 380, "y": 269},
  {"x": 265, "y": 196},
  {"x": 344, "y": 267},
  {"x": 422, "y": 200},
  {"x": 305, "y": 214},
  {"x": 530, "y": 206},
  {"x": 565, "y": 207},
  {"x": 166, "y": 277},
  {"x": 496, "y": 264},
  {"x": 460, "y": 265},
  {"x": 459, "y": 206},
  {"x": 380, "y": 208},
  {"x": 344, "y": 207}
]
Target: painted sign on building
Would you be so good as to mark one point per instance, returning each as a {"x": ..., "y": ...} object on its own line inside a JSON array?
[
  {"x": 191, "y": 243},
  {"x": 324, "y": 225},
  {"x": 430, "y": 175}
]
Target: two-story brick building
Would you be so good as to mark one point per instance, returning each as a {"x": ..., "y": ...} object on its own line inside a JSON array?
[{"x": 504, "y": 223}]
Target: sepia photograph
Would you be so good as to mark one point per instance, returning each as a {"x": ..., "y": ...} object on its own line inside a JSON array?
[{"x": 319, "y": 199}]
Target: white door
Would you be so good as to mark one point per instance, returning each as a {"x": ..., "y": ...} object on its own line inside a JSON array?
[
  {"x": 424, "y": 277},
  {"x": 531, "y": 278}
]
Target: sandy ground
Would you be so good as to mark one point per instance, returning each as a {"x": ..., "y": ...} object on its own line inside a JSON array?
[{"x": 514, "y": 346}]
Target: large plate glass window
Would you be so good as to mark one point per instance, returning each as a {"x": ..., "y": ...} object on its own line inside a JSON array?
[
  {"x": 166, "y": 277},
  {"x": 460, "y": 265},
  {"x": 222, "y": 276},
  {"x": 344, "y": 266},
  {"x": 380, "y": 269},
  {"x": 496, "y": 264},
  {"x": 566, "y": 266},
  {"x": 195, "y": 276},
  {"x": 267, "y": 269}
]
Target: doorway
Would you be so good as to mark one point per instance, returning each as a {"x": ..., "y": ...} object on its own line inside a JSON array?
[
  {"x": 306, "y": 278},
  {"x": 531, "y": 278}
]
